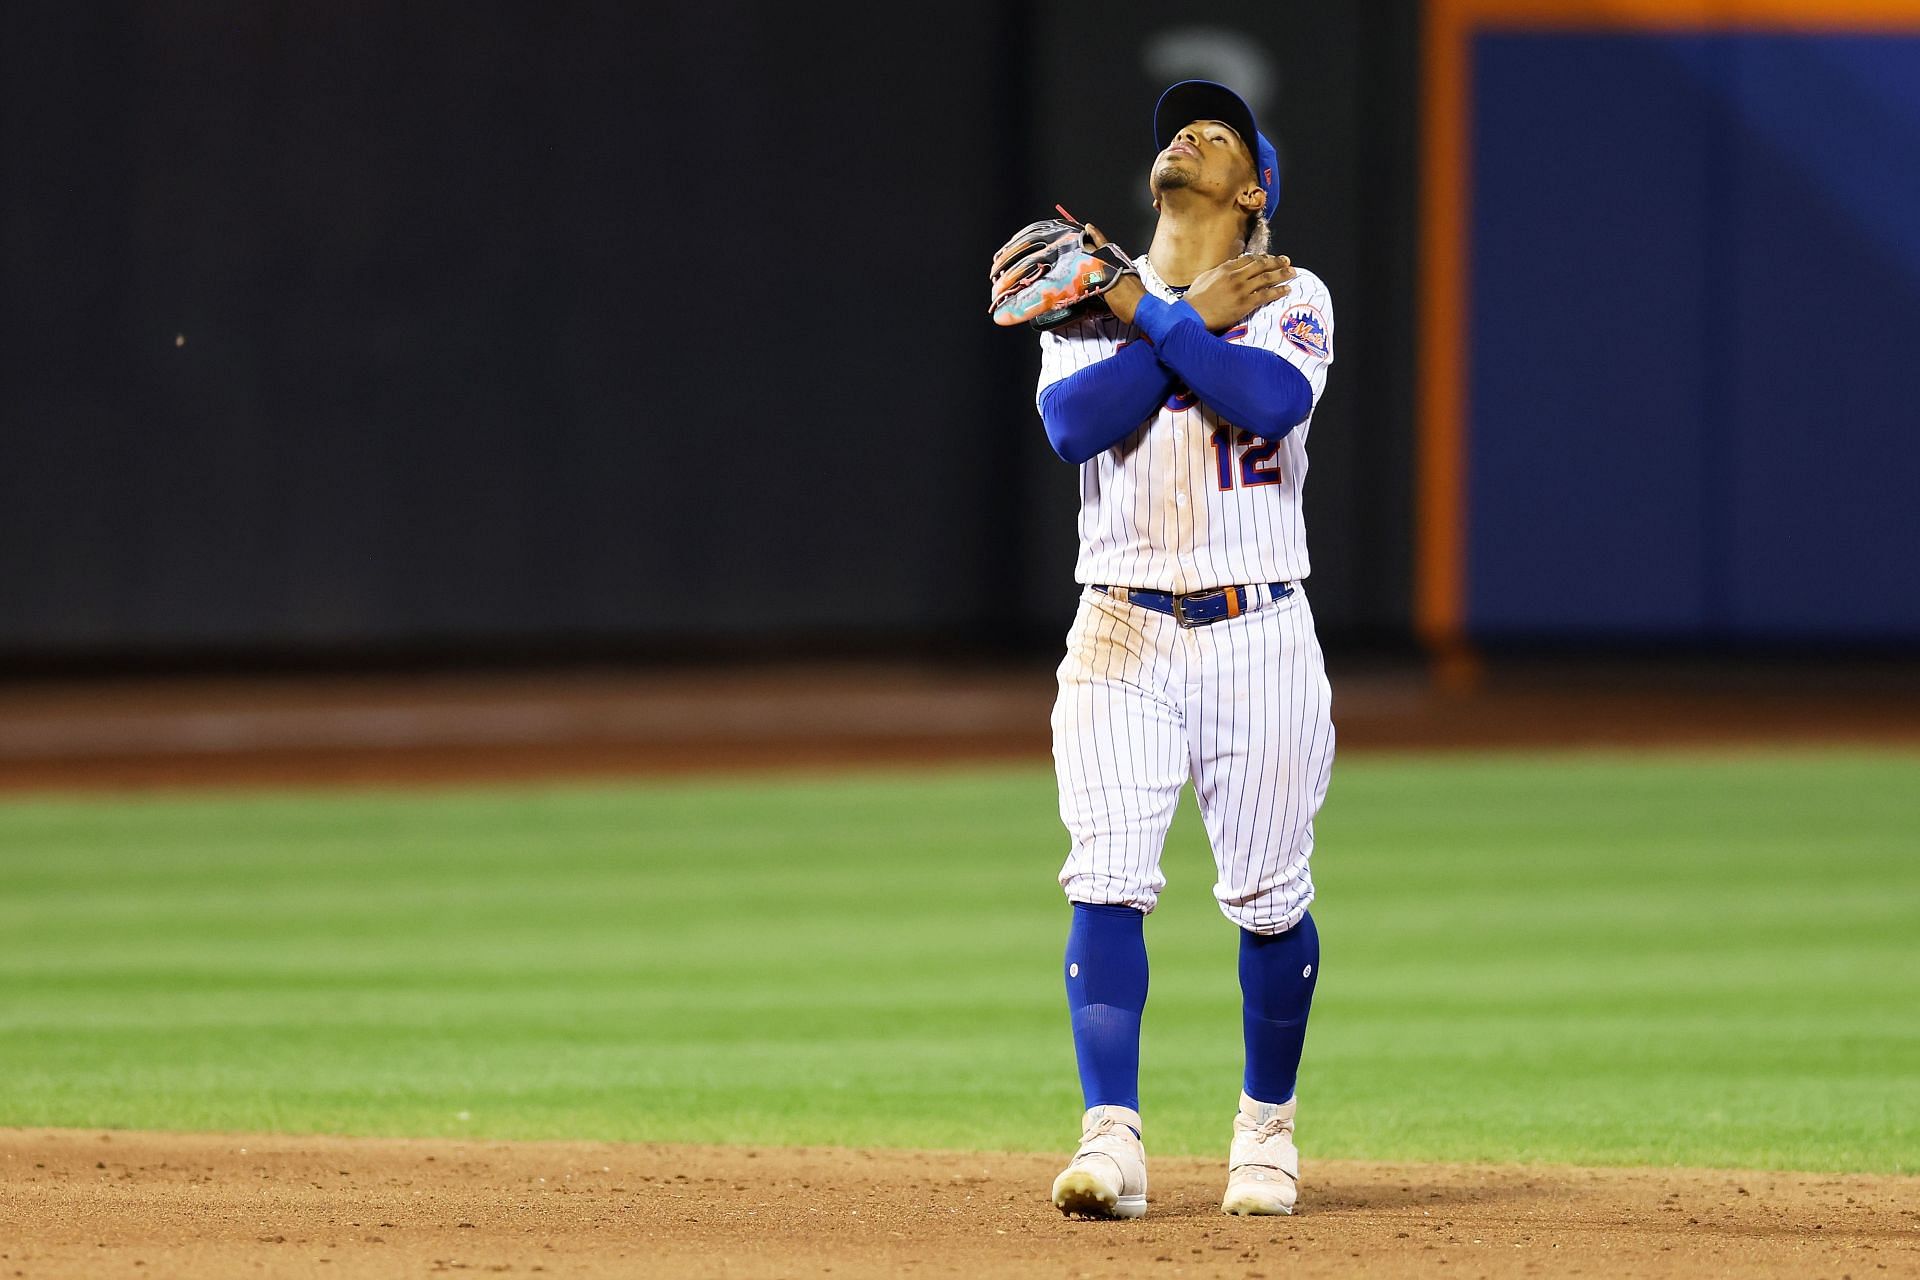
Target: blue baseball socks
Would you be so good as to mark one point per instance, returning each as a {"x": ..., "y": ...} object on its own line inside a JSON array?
[
  {"x": 1277, "y": 973},
  {"x": 1106, "y": 993},
  {"x": 1106, "y": 966}
]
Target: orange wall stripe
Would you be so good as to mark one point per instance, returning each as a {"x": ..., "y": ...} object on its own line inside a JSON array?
[
  {"x": 1692, "y": 15},
  {"x": 1440, "y": 562}
]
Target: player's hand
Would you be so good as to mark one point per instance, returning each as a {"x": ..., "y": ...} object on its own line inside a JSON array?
[
  {"x": 1229, "y": 293},
  {"x": 1125, "y": 296}
]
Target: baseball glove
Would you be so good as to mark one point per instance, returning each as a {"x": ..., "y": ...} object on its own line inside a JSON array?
[{"x": 1050, "y": 272}]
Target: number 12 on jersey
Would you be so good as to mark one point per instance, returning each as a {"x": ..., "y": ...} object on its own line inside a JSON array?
[{"x": 1257, "y": 464}]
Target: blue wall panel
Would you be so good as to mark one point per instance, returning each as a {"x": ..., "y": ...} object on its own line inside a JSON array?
[
  {"x": 1823, "y": 302},
  {"x": 1587, "y": 313},
  {"x": 1694, "y": 389}
]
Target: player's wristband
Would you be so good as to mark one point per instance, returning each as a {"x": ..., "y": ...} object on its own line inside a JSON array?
[{"x": 1158, "y": 318}]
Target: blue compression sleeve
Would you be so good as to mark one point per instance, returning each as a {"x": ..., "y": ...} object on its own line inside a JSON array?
[
  {"x": 1095, "y": 408},
  {"x": 1106, "y": 994},
  {"x": 1277, "y": 975},
  {"x": 1249, "y": 387}
]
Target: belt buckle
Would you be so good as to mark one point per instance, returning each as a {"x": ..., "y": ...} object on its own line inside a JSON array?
[{"x": 1180, "y": 609}]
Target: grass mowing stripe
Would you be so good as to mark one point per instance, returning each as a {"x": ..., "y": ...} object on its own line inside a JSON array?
[{"x": 1602, "y": 958}]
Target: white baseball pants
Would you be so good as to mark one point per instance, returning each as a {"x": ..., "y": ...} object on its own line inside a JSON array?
[{"x": 1241, "y": 706}]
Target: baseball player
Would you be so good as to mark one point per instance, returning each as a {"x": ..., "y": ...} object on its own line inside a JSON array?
[{"x": 1183, "y": 386}]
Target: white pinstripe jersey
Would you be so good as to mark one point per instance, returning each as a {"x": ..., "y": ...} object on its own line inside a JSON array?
[{"x": 1187, "y": 502}]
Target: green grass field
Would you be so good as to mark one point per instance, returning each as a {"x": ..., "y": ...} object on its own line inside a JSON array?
[{"x": 1599, "y": 959}]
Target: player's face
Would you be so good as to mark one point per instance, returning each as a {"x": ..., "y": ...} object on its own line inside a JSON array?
[{"x": 1206, "y": 157}]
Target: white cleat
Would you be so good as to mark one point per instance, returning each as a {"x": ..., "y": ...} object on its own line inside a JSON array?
[
  {"x": 1263, "y": 1170},
  {"x": 1107, "y": 1177}
]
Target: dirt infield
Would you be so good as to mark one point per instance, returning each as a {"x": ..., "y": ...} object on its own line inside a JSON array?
[
  {"x": 75, "y": 1203},
  {"x": 390, "y": 730}
]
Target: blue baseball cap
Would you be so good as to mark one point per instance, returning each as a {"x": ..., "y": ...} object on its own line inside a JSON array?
[{"x": 1192, "y": 100}]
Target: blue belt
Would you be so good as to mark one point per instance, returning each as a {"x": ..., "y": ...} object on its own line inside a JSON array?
[{"x": 1198, "y": 608}]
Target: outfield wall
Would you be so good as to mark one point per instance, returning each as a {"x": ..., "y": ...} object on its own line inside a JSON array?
[{"x": 366, "y": 330}]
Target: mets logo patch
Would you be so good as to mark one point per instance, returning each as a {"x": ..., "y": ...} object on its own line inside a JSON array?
[{"x": 1304, "y": 327}]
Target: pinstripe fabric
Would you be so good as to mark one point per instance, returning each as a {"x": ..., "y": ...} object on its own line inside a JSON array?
[
  {"x": 1152, "y": 512},
  {"x": 1241, "y": 706}
]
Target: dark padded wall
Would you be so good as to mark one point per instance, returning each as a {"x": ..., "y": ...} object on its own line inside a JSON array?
[
  {"x": 372, "y": 325},
  {"x": 498, "y": 318}
]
